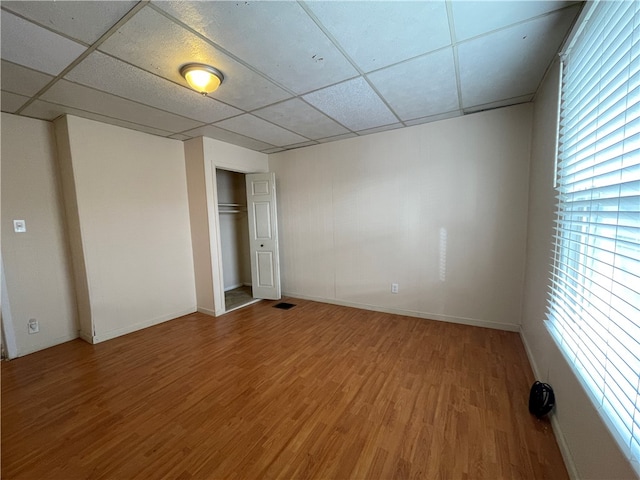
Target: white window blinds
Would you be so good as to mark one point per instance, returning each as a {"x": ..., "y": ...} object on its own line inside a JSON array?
[{"x": 594, "y": 302}]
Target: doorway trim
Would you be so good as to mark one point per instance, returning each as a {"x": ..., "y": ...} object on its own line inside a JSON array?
[{"x": 211, "y": 163}]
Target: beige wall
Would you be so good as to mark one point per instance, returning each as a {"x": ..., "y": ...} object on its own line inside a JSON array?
[
  {"x": 438, "y": 208},
  {"x": 128, "y": 193},
  {"x": 234, "y": 229},
  {"x": 36, "y": 263},
  {"x": 589, "y": 449}
]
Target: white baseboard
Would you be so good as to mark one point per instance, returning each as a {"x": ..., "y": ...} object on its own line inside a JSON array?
[
  {"x": 555, "y": 424},
  {"x": 207, "y": 311},
  {"x": 52, "y": 343},
  {"x": 103, "y": 337},
  {"x": 237, "y": 285},
  {"x": 410, "y": 313},
  {"x": 87, "y": 337}
]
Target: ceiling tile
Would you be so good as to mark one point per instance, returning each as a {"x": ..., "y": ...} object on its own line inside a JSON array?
[
  {"x": 50, "y": 111},
  {"x": 472, "y": 18},
  {"x": 255, "y": 127},
  {"x": 27, "y": 44},
  {"x": 268, "y": 51},
  {"x": 284, "y": 42},
  {"x": 353, "y": 103},
  {"x": 156, "y": 44},
  {"x": 229, "y": 137},
  {"x": 22, "y": 80},
  {"x": 87, "y": 23},
  {"x": 12, "y": 102},
  {"x": 510, "y": 62},
  {"x": 111, "y": 75},
  {"x": 301, "y": 118},
  {"x": 90, "y": 100},
  {"x": 384, "y": 32},
  {"x": 420, "y": 87}
]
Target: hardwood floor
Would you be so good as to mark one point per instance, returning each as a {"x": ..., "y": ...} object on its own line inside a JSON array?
[{"x": 318, "y": 391}]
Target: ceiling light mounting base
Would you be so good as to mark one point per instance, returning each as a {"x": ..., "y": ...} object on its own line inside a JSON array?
[{"x": 202, "y": 78}]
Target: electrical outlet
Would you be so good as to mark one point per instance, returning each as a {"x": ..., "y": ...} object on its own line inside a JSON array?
[
  {"x": 394, "y": 288},
  {"x": 19, "y": 226},
  {"x": 33, "y": 326}
]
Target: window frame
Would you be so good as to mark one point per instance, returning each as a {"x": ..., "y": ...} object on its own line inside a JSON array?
[{"x": 579, "y": 268}]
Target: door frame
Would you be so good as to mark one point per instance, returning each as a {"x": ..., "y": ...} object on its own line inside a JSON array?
[{"x": 210, "y": 166}]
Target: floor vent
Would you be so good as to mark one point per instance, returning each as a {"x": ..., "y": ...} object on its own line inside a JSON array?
[{"x": 284, "y": 305}]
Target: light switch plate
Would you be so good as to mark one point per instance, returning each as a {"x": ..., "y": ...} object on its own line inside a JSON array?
[{"x": 19, "y": 226}]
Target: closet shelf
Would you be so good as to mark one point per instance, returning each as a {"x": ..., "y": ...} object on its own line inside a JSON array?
[{"x": 231, "y": 208}]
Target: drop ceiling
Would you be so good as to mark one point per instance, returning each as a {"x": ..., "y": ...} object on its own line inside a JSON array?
[{"x": 296, "y": 73}]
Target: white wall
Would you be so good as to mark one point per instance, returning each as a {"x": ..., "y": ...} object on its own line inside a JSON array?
[
  {"x": 36, "y": 263},
  {"x": 128, "y": 192},
  {"x": 589, "y": 449},
  {"x": 234, "y": 230},
  {"x": 438, "y": 208}
]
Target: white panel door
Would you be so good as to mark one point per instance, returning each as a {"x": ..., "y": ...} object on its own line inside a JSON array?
[{"x": 263, "y": 235}]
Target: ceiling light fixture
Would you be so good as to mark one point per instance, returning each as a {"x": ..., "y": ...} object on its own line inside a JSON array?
[{"x": 202, "y": 78}]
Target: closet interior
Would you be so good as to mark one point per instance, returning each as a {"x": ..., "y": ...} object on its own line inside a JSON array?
[{"x": 234, "y": 239}]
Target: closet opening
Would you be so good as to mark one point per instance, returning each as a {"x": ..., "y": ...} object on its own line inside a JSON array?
[{"x": 234, "y": 239}]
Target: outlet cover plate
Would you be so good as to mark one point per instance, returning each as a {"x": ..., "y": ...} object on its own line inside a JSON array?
[
  {"x": 19, "y": 226},
  {"x": 33, "y": 326}
]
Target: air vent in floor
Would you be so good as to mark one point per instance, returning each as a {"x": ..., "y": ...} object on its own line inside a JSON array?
[{"x": 284, "y": 305}]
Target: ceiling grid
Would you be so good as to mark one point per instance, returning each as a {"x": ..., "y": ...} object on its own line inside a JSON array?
[{"x": 296, "y": 73}]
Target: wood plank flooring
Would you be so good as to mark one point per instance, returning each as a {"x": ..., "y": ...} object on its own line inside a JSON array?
[{"x": 318, "y": 391}]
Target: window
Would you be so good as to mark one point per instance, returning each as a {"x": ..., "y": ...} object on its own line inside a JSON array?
[{"x": 594, "y": 301}]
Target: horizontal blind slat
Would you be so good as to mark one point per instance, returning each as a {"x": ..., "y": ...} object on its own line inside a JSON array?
[{"x": 593, "y": 305}]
